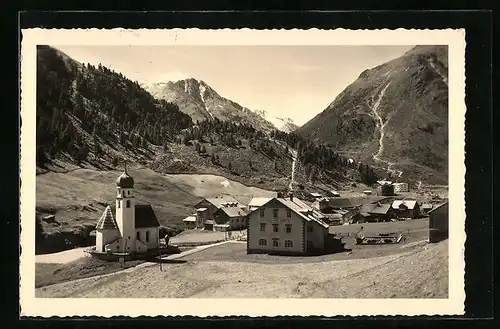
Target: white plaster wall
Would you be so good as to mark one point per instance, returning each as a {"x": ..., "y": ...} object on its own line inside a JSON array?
[
  {"x": 153, "y": 236},
  {"x": 255, "y": 234},
  {"x": 104, "y": 237},
  {"x": 317, "y": 236}
]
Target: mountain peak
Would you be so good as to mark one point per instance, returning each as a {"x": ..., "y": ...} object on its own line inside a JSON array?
[
  {"x": 394, "y": 115},
  {"x": 200, "y": 101}
]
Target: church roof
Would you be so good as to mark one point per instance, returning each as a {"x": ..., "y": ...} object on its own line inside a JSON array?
[
  {"x": 107, "y": 220},
  {"x": 125, "y": 180},
  {"x": 144, "y": 216}
]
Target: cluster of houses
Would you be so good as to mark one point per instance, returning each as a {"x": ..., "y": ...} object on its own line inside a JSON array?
[{"x": 282, "y": 224}]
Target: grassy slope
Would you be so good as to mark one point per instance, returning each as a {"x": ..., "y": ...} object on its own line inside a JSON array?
[{"x": 79, "y": 196}]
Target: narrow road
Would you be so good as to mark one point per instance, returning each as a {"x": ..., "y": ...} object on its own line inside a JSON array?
[
  {"x": 149, "y": 264},
  {"x": 294, "y": 156}
]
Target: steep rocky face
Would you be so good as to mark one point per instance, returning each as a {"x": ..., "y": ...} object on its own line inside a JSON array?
[
  {"x": 395, "y": 114},
  {"x": 197, "y": 99}
]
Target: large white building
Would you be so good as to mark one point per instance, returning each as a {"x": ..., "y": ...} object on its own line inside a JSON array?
[
  {"x": 286, "y": 225},
  {"x": 127, "y": 227}
]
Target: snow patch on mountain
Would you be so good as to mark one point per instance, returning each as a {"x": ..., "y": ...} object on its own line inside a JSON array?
[
  {"x": 202, "y": 90},
  {"x": 283, "y": 124}
]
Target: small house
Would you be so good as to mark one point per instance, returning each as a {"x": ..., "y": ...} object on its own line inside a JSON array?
[
  {"x": 374, "y": 213},
  {"x": 213, "y": 204},
  {"x": 202, "y": 215},
  {"x": 313, "y": 196},
  {"x": 400, "y": 187},
  {"x": 426, "y": 208},
  {"x": 189, "y": 222},
  {"x": 438, "y": 223},
  {"x": 406, "y": 208},
  {"x": 230, "y": 218}
]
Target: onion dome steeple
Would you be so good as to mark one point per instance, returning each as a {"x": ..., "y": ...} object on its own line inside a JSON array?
[{"x": 125, "y": 180}]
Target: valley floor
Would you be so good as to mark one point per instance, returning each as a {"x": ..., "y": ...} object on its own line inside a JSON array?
[{"x": 216, "y": 272}]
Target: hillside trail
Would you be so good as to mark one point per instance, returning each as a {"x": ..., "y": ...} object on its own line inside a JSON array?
[
  {"x": 381, "y": 127},
  {"x": 294, "y": 156}
]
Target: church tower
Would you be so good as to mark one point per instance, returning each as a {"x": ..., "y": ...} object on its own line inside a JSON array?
[{"x": 125, "y": 211}]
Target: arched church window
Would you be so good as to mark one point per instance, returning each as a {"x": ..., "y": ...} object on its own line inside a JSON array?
[
  {"x": 138, "y": 235},
  {"x": 128, "y": 203},
  {"x": 147, "y": 236},
  {"x": 119, "y": 202}
]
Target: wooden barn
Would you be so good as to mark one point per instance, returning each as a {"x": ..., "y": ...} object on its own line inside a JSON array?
[{"x": 438, "y": 223}]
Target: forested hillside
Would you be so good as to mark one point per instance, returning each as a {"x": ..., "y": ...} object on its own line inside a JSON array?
[{"x": 81, "y": 108}]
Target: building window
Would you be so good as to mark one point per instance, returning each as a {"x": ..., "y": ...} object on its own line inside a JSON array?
[
  {"x": 276, "y": 243},
  {"x": 262, "y": 227},
  {"x": 275, "y": 227},
  {"x": 288, "y": 213},
  {"x": 309, "y": 229},
  {"x": 138, "y": 235},
  {"x": 262, "y": 242},
  {"x": 275, "y": 213},
  {"x": 147, "y": 236},
  {"x": 119, "y": 202},
  {"x": 128, "y": 203},
  {"x": 289, "y": 243},
  {"x": 288, "y": 228},
  {"x": 262, "y": 213}
]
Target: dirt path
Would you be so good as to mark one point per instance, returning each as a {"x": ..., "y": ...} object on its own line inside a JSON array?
[
  {"x": 418, "y": 274},
  {"x": 294, "y": 156},
  {"x": 62, "y": 257},
  {"x": 146, "y": 264},
  {"x": 381, "y": 126}
]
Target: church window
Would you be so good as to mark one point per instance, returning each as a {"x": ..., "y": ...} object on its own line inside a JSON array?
[
  {"x": 119, "y": 204},
  {"x": 128, "y": 203},
  {"x": 138, "y": 235},
  {"x": 147, "y": 236}
]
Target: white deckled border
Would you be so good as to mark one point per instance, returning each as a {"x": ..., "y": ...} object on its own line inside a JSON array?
[{"x": 454, "y": 305}]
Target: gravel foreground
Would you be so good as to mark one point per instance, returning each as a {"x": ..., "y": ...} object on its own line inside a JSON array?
[{"x": 422, "y": 273}]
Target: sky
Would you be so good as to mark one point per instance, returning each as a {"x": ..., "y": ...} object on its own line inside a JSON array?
[{"x": 286, "y": 81}]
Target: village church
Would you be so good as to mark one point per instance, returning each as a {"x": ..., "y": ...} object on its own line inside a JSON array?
[{"x": 127, "y": 227}]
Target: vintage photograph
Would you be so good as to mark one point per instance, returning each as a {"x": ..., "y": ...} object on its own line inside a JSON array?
[{"x": 290, "y": 171}]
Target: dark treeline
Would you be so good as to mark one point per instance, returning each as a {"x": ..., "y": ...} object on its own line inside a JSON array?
[
  {"x": 103, "y": 103},
  {"x": 319, "y": 158}
]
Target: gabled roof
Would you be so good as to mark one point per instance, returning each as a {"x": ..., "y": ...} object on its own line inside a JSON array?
[
  {"x": 409, "y": 204},
  {"x": 344, "y": 202},
  {"x": 144, "y": 216},
  {"x": 189, "y": 219},
  {"x": 233, "y": 211},
  {"x": 302, "y": 209},
  {"x": 439, "y": 206},
  {"x": 218, "y": 201},
  {"x": 107, "y": 220},
  {"x": 259, "y": 201}
]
